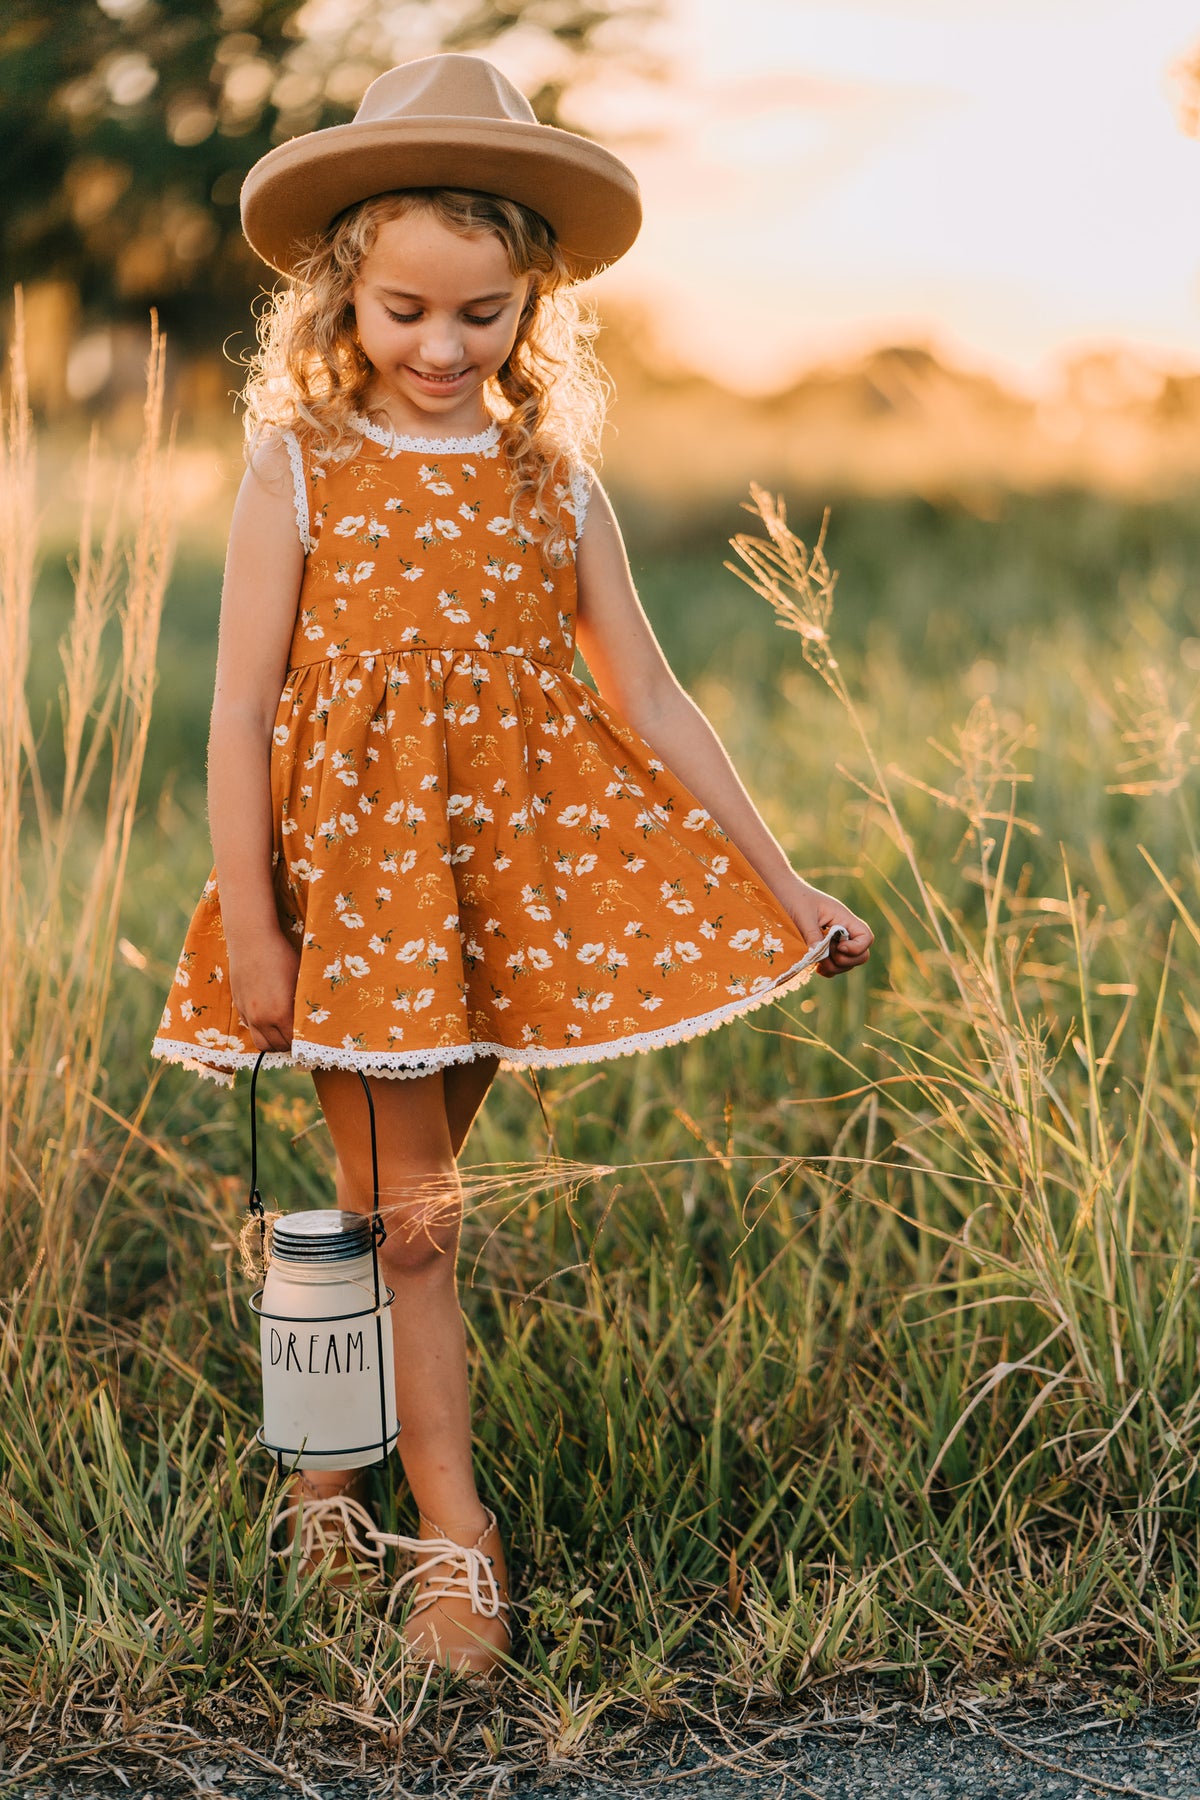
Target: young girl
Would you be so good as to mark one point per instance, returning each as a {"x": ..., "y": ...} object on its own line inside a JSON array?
[{"x": 437, "y": 850}]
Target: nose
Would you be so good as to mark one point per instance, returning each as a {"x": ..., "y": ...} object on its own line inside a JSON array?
[{"x": 441, "y": 344}]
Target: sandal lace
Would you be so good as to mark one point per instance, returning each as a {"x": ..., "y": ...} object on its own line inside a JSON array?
[
  {"x": 334, "y": 1523},
  {"x": 338, "y": 1522},
  {"x": 470, "y": 1575}
]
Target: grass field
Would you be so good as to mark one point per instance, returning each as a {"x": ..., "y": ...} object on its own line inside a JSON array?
[{"x": 858, "y": 1339}]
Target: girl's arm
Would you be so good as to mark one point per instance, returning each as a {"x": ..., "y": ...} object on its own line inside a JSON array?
[
  {"x": 263, "y": 570},
  {"x": 620, "y": 649}
]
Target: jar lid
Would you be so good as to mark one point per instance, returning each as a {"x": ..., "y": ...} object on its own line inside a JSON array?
[{"x": 324, "y": 1236}]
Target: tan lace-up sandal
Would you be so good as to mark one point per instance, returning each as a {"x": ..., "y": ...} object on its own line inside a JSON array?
[
  {"x": 460, "y": 1611},
  {"x": 333, "y": 1527}
]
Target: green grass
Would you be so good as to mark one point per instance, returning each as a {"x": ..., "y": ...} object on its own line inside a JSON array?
[{"x": 856, "y": 1339}]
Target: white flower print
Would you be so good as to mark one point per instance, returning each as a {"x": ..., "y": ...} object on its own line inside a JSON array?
[
  {"x": 363, "y": 571},
  {"x": 593, "y": 1003},
  {"x": 348, "y": 526},
  {"x": 357, "y": 966},
  {"x": 687, "y": 951},
  {"x": 452, "y": 608},
  {"x": 572, "y": 815},
  {"x": 430, "y": 476},
  {"x": 409, "y": 952},
  {"x": 696, "y": 819},
  {"x": 447, "y": 528},
  {"x": 743, "y": 940},
  {"x": 673, "y": 899}
]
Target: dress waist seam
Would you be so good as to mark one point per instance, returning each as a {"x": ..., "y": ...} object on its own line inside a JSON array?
[{"x": 439, "y": 652}]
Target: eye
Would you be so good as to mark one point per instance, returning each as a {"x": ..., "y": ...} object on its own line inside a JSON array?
[
  {"x": 470, "y": 318},
  {"x": 402, "y": 318}
]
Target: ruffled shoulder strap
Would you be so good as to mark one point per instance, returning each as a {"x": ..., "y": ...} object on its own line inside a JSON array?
[
  {"x": 579, "y": 490},
  {"x": 300, "y": 491}
]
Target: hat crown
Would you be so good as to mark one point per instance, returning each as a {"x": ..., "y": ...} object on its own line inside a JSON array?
[{"x": 445, "y": 86}]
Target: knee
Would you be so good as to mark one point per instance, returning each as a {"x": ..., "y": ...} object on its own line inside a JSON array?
[{"x": 423, "y": 1217}]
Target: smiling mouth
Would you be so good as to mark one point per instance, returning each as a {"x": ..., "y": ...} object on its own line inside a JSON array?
[{"x": 441, "y": 380}]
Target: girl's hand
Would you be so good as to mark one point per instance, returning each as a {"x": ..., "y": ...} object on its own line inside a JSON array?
[
  {"x": 815, "y": 913},
  {"x": 262, "y": 980}
]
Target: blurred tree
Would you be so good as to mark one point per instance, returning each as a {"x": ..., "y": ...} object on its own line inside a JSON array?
[{"x": 126, "y": 126}]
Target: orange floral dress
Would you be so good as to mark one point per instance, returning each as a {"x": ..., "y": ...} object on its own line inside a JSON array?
[{"x": 474, "y": 853}]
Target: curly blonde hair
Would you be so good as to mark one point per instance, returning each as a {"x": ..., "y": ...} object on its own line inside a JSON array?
[{"x": 311, "y": 375}]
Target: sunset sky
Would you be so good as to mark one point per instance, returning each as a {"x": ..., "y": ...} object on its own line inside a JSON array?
[{"x": 1005, "y": 177}]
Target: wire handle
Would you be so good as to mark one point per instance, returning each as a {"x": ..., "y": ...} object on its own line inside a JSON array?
[{"x": 255, "y": 1201}]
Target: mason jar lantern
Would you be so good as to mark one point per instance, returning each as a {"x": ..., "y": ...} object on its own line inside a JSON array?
[{"x": 328, "y": 1379}]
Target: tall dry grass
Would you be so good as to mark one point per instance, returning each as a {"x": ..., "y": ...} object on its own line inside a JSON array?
[{"x": 66, "y": 850}]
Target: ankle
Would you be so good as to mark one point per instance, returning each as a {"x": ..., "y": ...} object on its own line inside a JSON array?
[
  {"x": 462, "y": 1524},
  {"x": 325, "y": 1484}
]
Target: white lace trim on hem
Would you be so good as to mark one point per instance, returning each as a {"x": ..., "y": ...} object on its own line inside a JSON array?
[
  {"x": 404, "y": 1064},
  {"x": 299, "y": 491},
  {"x": 395, "y": 441}
]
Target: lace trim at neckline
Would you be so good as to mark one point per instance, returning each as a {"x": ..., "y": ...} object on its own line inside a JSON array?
[{"x": 396, "y": 441}]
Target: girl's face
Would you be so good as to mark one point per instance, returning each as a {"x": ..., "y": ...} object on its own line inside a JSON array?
[{"x": 437, "y": 316}]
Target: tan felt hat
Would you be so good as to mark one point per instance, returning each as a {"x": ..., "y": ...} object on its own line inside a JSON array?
[{"x": 443, "y": 121}]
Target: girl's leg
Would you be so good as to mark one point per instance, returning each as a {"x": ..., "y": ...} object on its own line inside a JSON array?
[
  {"x": 466, "y": 1086},
  {"x": 421, "y": 1202}
]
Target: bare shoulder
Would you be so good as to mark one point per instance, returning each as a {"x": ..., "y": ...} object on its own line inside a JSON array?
[{"x": 269, "y": 466}]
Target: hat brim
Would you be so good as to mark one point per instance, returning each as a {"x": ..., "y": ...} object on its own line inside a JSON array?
[{"x": 293, "y": 194}]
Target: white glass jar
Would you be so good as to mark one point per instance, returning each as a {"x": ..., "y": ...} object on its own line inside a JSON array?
[{"x": 329, "y": 1383}]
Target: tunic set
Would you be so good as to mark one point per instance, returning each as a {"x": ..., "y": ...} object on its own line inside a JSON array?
[{"x": 474, "y": 854}]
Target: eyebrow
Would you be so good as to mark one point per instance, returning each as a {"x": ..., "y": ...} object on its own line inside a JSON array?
[{"x": 479, "y": 300}]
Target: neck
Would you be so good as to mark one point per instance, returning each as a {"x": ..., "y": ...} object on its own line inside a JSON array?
[{"x": 465, "y": 420}]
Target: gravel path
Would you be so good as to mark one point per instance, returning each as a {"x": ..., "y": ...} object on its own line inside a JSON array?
[{"x": 1056, "y": 1758}]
